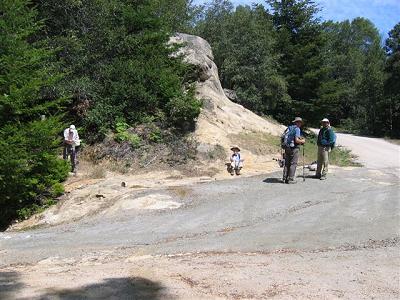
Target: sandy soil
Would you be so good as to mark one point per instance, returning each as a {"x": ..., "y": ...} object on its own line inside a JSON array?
[{"x": 320, "y": 274}]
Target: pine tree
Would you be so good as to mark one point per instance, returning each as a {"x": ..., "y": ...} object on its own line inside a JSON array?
[
  {"x": 391, "y": 104},
  {"x": 300, "y": 41},
  {"x": 30, "y": 171}
]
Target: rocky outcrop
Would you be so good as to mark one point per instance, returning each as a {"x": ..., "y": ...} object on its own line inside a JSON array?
[{"x": 220, "y": 118}]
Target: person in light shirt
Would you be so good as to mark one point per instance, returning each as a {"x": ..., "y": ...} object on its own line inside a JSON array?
[
  {"x": 236, "y": 161},
  {"x": 71, "y": 145}
]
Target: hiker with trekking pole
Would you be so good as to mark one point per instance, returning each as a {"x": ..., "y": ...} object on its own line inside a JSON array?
[
  {"x": 291, "y": 141},
  {"x": 326, "y": 142}
]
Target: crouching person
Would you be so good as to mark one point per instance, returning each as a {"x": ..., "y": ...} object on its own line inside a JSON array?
[
  {"x": 326, "y": 142},
  {"x": 236, "y": 161}
]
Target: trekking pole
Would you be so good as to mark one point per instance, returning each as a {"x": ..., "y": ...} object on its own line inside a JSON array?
[{"x": 304, "y": 177}]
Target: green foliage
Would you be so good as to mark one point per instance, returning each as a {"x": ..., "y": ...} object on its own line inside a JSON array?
[
  {"x": 243, "y": 44},
  {"x": 285, "y": 62},
  {"x": 30, "y": 171},
  {"x": 183, "y": 109},
  {"x": 123, "y": 135},
  {"x": 391, "y": 104},
  {"x": 123, "y": 66}
]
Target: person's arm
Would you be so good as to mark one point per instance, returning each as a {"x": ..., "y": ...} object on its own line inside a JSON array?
[{"x": 298, "y": 139}]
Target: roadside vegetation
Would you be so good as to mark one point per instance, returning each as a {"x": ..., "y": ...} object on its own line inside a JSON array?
[{"x": 282, "y": 60}]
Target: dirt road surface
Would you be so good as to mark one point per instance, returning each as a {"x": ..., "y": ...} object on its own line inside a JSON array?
[
  {"x": 372, "y": 152},
  {"x": 247, "y": 238}
]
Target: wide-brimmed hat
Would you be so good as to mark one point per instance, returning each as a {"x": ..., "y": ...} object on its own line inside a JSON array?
[
  {"x": 235, "y": 148},
  {"x": 325, "y": 120},
  {"x": 297, "y": 119}
]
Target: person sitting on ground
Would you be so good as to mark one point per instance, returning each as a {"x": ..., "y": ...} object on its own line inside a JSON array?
[
  {"x": 71, "y": 144},
  {"x": 326, "y": 142},
  {"x": 291, "y": 142},
  {"x": 236, "y": 161}
]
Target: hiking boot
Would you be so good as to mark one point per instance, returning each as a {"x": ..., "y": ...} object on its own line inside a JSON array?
[
  {"x": 317, "y": 177},
  {"x": 291, "y": 181},
  {"x": 323, "y": 178}
]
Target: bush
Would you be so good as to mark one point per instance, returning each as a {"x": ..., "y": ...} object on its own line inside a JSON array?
[
  {"x": 123, "y": 135},
  {"x": 31, "y": 172},
  {"x": 182, "y": 110}
]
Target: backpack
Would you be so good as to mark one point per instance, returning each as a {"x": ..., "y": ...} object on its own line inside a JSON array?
[
  {"x": 333, "y": 144},
  {"x": 289, "y": 132}
]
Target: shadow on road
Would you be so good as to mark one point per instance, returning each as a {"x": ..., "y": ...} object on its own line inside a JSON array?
[
  {"x": 272, "y": 180},
  {"x": 9, "y": 284},
  {"x": 111, "y": 288}
]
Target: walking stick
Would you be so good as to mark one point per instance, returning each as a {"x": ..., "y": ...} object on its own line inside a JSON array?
[{"x": 304, "y": 178}]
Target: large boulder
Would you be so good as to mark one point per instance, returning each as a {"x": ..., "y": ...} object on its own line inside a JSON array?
[{"x": 220, "y": 119}]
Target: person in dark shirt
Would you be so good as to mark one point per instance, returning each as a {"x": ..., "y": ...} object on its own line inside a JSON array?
[
  {"x": 326, "y": 141},
  {"x": 292, "y": 150}
]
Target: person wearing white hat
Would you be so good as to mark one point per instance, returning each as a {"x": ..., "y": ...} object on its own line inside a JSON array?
[
  {"x": 71, "y": 144},
  {"x": 326, "y": 142}
]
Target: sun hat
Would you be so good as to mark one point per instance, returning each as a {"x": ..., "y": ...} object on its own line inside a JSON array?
[
  {"x": 325, "y": 120},
  {"x": 72, "y": 127},
  {"x": 297, "y": 119},
  {"x": 235, "y": 147}
]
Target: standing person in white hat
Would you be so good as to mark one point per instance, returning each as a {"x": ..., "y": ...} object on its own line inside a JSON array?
[
  {"x": 326, "y": 142},
  {"x": 71, "y": 144}
]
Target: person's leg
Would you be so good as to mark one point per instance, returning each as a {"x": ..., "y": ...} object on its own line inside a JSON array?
[
  {"x": 287, "y": 164},
  {"x": 65, "y": 152},
  {"x": 319, "y": 162},
  {"x": 232, "y": 168},
  {"x": 73, "y": 156},
  {"x": 77, "y": 148},
  {"x": 325, "y": 162},
  {"x": 293, "y": 164}
]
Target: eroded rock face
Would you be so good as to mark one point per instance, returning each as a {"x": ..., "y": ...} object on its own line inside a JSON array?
[{"x": 220, "y": 117}]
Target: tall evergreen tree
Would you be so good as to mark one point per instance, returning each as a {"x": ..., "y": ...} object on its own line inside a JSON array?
[
  {"x": 352, "y": 88},
  {"x": 391, "y": 104},
  {"x": 30, "y": 170},
  {"x": 300, "y": 41}
]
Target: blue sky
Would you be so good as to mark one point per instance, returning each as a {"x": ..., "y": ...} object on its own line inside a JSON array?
[{"x": 384, "y": 13}]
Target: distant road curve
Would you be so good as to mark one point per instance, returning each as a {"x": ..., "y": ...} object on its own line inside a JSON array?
[{"x": 373, "y": 153}]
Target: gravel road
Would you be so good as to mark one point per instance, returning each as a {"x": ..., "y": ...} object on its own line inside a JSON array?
[{"x": 233, "y": 239}]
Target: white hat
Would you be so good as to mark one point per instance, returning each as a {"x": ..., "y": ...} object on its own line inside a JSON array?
[
  {"x": 297, "y": 119},
  {"x": 72, "y": 127},
  {"x": 325, "y": 120}
]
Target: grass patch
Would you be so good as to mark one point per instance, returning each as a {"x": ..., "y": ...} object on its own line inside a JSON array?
[
  {"x": 393, "y": 141},
  {"x": 258, "y": 143},
  {"x": 339, "y": 156},
  {"x": 98, "y": 172},
  {"x": 216, "y": 153}
]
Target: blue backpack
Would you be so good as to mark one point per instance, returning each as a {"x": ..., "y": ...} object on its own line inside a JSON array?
[{"x": 287, "y": 138}]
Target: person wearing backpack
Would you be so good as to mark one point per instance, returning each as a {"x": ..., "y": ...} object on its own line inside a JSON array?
[
  {"x": 291, "y": 141},
  {"x": 326, "y": 142}
]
